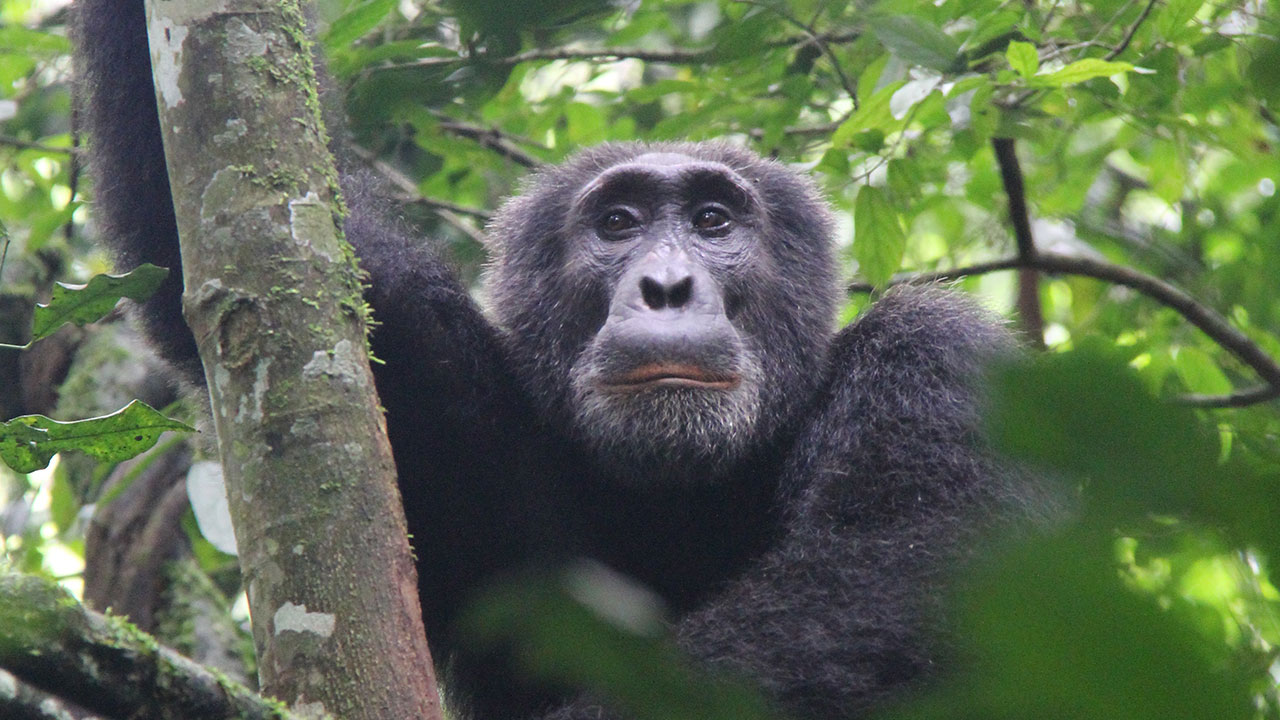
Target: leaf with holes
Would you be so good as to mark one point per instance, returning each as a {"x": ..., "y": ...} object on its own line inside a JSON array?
[
  {"x": 82, "y": 304},
  {"x": 27, "y": 443}
]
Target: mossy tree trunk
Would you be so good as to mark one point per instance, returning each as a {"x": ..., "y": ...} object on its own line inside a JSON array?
[{"x": 273, "y": 298}]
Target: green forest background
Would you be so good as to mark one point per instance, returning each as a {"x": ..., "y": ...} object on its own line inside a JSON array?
[{"x": 1104, "y": 173}]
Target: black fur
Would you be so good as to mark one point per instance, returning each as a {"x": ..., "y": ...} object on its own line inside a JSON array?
[{"x": 800, "y": 541}]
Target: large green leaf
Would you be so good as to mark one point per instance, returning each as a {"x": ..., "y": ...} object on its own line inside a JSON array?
[
  {"x": 27, "y": 443},
  {"x": 915, "y": 41},
  {"x": 86, "y": 303},
  {"x": 1080, "y": 71},
  {"x": 357, "y": 22}
]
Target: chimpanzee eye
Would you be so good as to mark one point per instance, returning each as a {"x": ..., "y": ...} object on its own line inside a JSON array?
[
  {"x": 616, "y": 221},
  {"x": 711, "y": 219}
]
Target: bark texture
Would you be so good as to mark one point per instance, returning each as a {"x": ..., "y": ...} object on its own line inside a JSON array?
[
  {"x": 273, "y": 297},
  {"x": 51, "y": 644}
]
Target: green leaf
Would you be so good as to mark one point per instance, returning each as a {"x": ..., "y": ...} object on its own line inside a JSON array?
[
  {"x": 873, "y": 115},
  {"x": 1023, "y": 58},
  {"x": 1199, "y": 372},
  {"x": 915, "y": 41},
  {"x": 27, "y": 443},
  {"x": 1086, "y": 414},
  {"x": 357, "y": 22},
  {"x": 618, "y": 650},
  {"x": 1175, "y": 16},
  {"x": 879, "y": 242},
  {"x": 82, "y": 304},
  {"x": 1080, "y": 71},
  {"x": 586, "y": 124},
  {"x": 33, "y": 42}
]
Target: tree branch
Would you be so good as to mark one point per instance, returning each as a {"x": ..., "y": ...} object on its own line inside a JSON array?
[
  {"x": 814, "y": 37},
  {"x": 1030, "y": 313},
  {"x": 492, "y": 138},
  {"x": 674, "y": 56},
  {"x": 1133, "y": 29},
  {"x": 1204, "y": 318},
  {"x": 273, "y": 299},
  {"x": 20, "y": 701},
  {"x": 447, "y": 211},
  {"x": 29, "y": 145},
  {"x": 107, "y": 666}
]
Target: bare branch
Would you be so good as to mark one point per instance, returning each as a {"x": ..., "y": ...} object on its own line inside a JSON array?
[
  {"x": 1030, "y": 314},
  {"x": 492, "y": 138},
  {"x": 443, "y": 206},
  {"x": 447, "y": 211},
  {"x": 1204, "y": 318},
  {"x": 673, "y": 56},
  {"x": 813, "y": 36},
  {"x": 1237, "y": 399},
  {"x": 1133, "y": 29},
  {"x": 29, "y": 145}
]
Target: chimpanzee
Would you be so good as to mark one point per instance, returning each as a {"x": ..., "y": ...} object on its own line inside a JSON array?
[{"x": 657, "y": 386}]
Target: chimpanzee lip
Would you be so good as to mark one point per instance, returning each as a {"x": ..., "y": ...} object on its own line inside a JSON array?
[{"x": 671, "y": 375}]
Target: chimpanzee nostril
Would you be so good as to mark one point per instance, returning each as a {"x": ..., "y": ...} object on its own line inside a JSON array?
[
  {"x": 652, "y": 293},
  {"x": 678, "y": 294},
  {"x": 657, "y": 295}
]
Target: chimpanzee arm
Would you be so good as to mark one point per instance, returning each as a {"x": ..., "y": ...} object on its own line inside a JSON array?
[
  {"x": 889, "y": 489},
  {"x": 886, "y": 491}
]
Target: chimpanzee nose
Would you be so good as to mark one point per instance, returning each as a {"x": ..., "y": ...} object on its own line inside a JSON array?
[
  {"x": 673, "y": 290},
  {"x": 669, "y": 285}
]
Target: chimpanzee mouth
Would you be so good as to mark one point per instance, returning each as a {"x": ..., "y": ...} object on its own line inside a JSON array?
[{"x": 656, "y": 375}]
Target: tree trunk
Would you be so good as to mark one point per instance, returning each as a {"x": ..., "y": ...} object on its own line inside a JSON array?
[{"x": 273, "y": 297}]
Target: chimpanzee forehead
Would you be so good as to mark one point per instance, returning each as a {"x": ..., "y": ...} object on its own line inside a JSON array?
[
  {"x": 669, "y": 174},
  {"x": 664, "y": 158}
]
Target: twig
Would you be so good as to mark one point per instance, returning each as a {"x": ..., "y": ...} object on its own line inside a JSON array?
[
  {"x": 443, "y": 206},
  {"x": 677, "y": 56},
  {"x": 447, "y": 211},
  {"x": 29, "y": 145},
  {"x": 493, "y": 139},
  {"x": 1204, "y": 318},
  {"x": 1133, "y": 29},
  {"x": 674, "y": 56},
  {"x": 1030, "y": 313},
  {"x": 816, "y": 38}
]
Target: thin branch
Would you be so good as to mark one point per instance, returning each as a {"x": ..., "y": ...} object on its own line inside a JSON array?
[
  {"x": 21, "y": 144},
  {"x": 1211, "y": 323},
  {"x": 462, "y": 226},
  {"x": 447, "y": 211},
  {"x": 937, "y": 276},
  {"x": 673, "y": 56},
  {"x": 814, "y": 37},
  {"x": 1030, "y": 314},
  {"x": 493, "y": 139},
  {"x": 443, "y": 206},
  {"x": 1011, "y": 176},
  {"x": 1237, "y": 399},
  {"x": 804, "y": 131},
  {"x": 1133, "y": 30}
]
